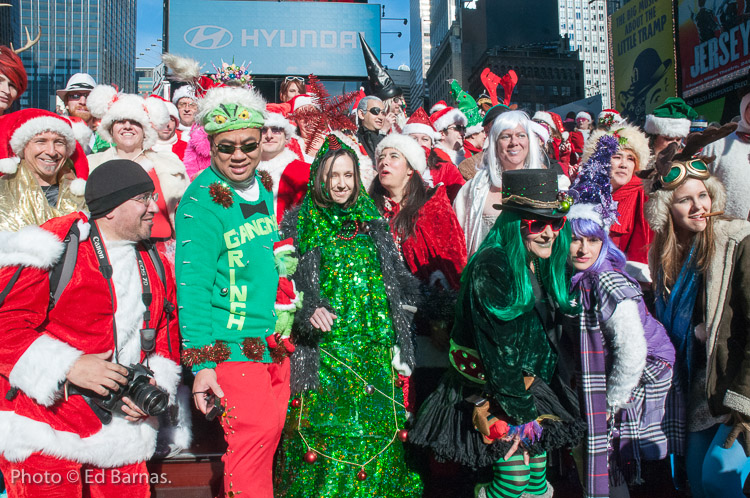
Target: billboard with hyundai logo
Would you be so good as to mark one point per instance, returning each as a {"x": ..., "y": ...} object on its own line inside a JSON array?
[{"x": 278, "y": 38}]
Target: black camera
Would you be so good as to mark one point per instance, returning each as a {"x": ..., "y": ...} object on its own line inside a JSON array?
[{"x": 150, "y": 399}]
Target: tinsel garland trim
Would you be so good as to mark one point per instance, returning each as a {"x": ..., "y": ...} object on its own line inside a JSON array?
[{"x": 216, "y": 353}]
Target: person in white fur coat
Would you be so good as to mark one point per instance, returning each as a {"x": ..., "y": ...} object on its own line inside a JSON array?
[
  {"x": 127, "y": 122},
  {"x": 48, "y": 432},
  {"x": 732, "y": 164}
]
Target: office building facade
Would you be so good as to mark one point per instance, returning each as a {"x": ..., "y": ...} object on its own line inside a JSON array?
[
  {"x": 419, "y": 51},
  {"x": 89, "y": 36}
]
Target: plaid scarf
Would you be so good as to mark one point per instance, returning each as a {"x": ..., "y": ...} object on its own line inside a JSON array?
[{"x": 593, "y": 383}]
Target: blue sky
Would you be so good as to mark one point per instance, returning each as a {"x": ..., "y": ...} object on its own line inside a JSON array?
[{"x": 149, "y": 26}]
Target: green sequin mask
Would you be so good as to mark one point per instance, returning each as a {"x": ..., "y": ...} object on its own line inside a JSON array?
[
  {"x": 317, "y": 225},
  {"x": 228, "y": 117}
]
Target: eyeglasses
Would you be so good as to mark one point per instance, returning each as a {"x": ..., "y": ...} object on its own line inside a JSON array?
[
  {"x": 276, "y": 130},
  {"x": 374, "y": 110},
  {"x": 679, "y": 172},
  {"x": 458, "y": 128},
  {"x": 187, "y": 105},
  {"x": 295, "y": 78},
  {"x": 146, "y": 198},
  {"x": 538, "y": 226},
  {"x": 229, "y": 149},
  {"x": 77, "y": 96}
]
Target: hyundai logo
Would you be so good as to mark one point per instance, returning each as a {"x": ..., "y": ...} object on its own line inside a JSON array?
[{"x": 208, "y": 37}]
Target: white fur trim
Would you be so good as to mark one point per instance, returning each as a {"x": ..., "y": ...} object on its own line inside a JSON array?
[
  {"x": 166, "y": 374},
  {"x": 84, "y": 228},
  {"x": 584, "y": 115},
  {"x": 276, "y": 119},
  {"x": 629, "y": 349},
  {"x": 82, "y": 132},
  {"x": 78, "y": 187},
  {"x": 545, "y": 117},
  {"x": 438, "y": 107},
  {"x": 563, "y": 182},
  {"x": 638, "y": 271},
  {"x": 33, "y": 127},
  {"x": 581, "y": 211},
  {"x": 668, "y": 127},
  {"x": 657, "y": 207},
  {"x": 411, "y": 150},
  {"x": 636, "y": 141},
  {"x": 9, "y": 165},
  {"x": 474, "y": 129},
  {"x": 537, "y": 128},
  {"x": 215, "y": 97},
  {"x": 30, "y": 246},
  {"x": 116, "y": 444},
  {"x": 158, "y": 113},
  {"x": 173, "y": 112},
  {"x": 453, "y": 116},
  {"x": 41, "y": 370},
  {"x": 737, "y": 402},
  {"x": 282, "y": 248},
  {"x": 184, "y": 92},
  {"x": 422, "y": 128}
]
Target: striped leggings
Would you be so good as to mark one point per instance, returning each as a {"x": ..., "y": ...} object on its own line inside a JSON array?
[{"x": 512, "y": 477}]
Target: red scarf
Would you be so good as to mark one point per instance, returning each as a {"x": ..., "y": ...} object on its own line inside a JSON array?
[
  {"x": 631, "y": 233},
  {"x": 470, "y": 150}
]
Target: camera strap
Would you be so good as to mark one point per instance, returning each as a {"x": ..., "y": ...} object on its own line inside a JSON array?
[{"x": 105, "y": 267}]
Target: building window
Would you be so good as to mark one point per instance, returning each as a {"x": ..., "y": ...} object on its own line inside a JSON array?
[
  {"x": 553, "y": 90},
  {"x": 565, "y": 91}
]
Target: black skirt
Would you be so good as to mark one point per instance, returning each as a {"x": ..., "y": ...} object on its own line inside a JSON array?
[{"x": 444, "y": 423}]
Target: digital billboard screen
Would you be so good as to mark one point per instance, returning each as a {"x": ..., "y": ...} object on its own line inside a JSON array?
[{"x": 278, "y": 38}]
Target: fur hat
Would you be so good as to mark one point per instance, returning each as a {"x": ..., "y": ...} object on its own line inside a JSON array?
[
  {"x": 419, "y": 122},
  {"x": 411, "y": 150},
  {"x": 446, "y": 117},
  {"x": 634, "y": 140},
  {"x": 657, "y": 208},
  {"x": 107, "y": 104},
  {"x": 671, "y": 119},
  {"x": 18, "y": 128}
]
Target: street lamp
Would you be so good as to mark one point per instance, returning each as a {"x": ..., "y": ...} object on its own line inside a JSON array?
[
  {"x": 394, "y": 18},
  {"x": 391, "y": 33},
  {"x": 386, "y": 53}
]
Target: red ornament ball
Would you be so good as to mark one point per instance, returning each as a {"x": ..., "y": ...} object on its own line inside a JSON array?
[
  {"x": 361, "y": 475},
  {"x": 311, "y": 456},
  {"x": 399, "y": 382},
  {"x": 296, "y": 403},
  {"x": 403, "y": 435}
]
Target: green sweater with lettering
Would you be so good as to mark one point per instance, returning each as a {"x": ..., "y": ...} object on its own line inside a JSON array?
[{"x": 226, "y": 277}]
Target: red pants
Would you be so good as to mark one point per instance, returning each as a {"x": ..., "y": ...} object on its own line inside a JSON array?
[
  {"x": 49, "y": 477},
  {"x": 256, "y": 398}
]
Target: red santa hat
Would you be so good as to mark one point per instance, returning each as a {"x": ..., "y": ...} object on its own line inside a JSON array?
[
  {"x": 410, "y": 149},
  {"x": 276, "y": 119},
  {"x": 449, "y": 116},
  {"x": 544, "y": 117},
  {"x": 107, "y": 104},
  {"x": 301, "y": 100},
  {"x": 583, "y": 115},
  {"x": 419, "y": 122},
  {"x": 609, "y": 115},
  {"x": 18, "y": 128},
  {"x": 283, "y": 246},
  {"x": 439, "y": 106}
]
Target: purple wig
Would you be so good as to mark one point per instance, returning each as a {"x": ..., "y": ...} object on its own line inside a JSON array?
[{"x": 582, "y": 227}]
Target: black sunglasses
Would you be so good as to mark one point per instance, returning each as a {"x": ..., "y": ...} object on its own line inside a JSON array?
[
  {"x": 229, "y": 149},
  {"x": 374, "y": 110}
]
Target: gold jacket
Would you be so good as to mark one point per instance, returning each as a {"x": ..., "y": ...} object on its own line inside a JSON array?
[{"x": 22, "y": 201}]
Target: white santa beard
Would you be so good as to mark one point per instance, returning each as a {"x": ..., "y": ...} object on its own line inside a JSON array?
[{"x": 129, "y": 294}]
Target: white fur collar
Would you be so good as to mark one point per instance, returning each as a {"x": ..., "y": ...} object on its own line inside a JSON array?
[
  {"x": 30, "y": 246},
  {"x": 279, "y": 162},
  {"x": 129, "y": 313}
]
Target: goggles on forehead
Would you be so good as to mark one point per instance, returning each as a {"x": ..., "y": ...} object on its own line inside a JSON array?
[{"x": 681, "y": 171}]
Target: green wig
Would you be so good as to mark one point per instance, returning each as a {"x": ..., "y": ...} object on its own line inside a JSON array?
[{"x": 506, "y": 235}]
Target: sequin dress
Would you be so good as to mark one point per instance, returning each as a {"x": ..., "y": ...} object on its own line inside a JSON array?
[{"x": 352, "y": 419}]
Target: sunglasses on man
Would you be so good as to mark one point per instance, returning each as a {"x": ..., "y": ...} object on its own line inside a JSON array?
[
  {"x": 535, "y": 227},
  {"x": 229, "y": 149},
  {"x": 374, "y": 110}
]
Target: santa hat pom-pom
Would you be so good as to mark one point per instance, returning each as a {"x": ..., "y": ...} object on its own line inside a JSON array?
[
  {"x": 565, "y": 135},
  {"x": 78, "y": 187},
  {"x": 100, "y": 99},
  {"x": 158, "y": 112},
  {"x": 81, "y": 131},
  {"x": 9, "y": 165}
]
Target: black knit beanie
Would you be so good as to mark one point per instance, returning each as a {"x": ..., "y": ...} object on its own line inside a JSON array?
[{"x": 113, "y": 183}]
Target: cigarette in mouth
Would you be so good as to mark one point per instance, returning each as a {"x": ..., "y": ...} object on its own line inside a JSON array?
[{"x": 715, "y": 213}]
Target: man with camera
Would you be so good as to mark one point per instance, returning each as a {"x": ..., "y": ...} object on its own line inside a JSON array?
[{"x": 90, "y": 344}]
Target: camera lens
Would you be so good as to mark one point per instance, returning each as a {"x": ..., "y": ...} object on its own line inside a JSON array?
[{"x": 150, "y": 399}]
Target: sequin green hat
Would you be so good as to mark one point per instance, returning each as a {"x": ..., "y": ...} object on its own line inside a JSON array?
[{"x": 231, "y": 108}]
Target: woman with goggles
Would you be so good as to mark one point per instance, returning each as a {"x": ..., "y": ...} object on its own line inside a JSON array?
[
  {"x": 504, "y": 404},
  {"x": 291, "y": 87},
  {"x": 701, "y": 268}
]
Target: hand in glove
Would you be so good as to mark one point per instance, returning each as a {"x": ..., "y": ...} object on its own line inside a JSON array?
[{"x": 740, "y": 425}]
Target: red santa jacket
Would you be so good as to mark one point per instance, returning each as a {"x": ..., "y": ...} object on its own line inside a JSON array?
[
  {"x": 40, "y": 347},
  {"x": 631, "y": 233},
  {"x": 290, "y": 177},
  {"x": 446, "y": 172}
]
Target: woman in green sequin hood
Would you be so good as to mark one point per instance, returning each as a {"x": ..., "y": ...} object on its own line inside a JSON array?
[{"x": 345, "y": 428}]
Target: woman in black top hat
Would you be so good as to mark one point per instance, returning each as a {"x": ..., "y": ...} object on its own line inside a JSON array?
[{"x": 504, "y": 404}]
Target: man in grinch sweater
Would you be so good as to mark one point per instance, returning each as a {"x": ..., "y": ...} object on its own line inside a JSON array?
[{"x": 227, "y": 282}]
